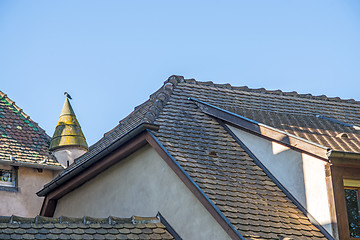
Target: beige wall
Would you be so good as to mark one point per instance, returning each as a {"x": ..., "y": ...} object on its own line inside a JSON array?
[
  {"x": 301, "y": 174},
  {"x": 25, "y": 202},
  {"x": 142, "y": 185}
]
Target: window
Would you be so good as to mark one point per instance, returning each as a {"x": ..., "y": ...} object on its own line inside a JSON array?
[
  {"x": 352, "y": 190},
  {"x": 7, "y": 177}
]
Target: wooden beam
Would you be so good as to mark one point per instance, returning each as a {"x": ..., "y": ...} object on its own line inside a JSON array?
[
  {"x": 345, "y": 162},
  {"x": 330, "y": 192},
  {"x": 337, "y": 174},
  {"x": 48, "y": 207}
]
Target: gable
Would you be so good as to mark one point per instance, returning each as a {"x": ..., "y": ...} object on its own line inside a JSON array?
[
  {"x": 225, "y": 172},
  {"x": 142, "y": 184}
]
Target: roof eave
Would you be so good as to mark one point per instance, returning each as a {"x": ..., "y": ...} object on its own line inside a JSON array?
[
  {"x": 32, "y": 165},
  {"x": 346, "y": 159},
  {"x": 62, "y": 178},
  {"x": 86, "y": 148}
]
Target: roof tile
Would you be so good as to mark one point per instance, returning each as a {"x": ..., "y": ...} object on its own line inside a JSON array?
[
  {"x": 216, "y": 162},
  {"x": 22, "y": 138},
  {"x": 46, "y": 229}
]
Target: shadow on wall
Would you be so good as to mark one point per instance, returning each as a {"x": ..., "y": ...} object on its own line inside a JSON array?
[
  {"x": 287, "y": 166},
  {"x": 304, "y": 177}
]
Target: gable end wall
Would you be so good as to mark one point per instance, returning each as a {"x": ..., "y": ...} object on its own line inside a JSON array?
[
  {"x": 142, "y": 184},
  {"x": 301, "y": 174}
]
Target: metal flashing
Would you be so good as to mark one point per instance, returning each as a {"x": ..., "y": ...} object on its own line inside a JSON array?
[
  {"x": 263, "y": 130},
  {"x": 168, "y": 227},
  {"x": 339, "y": 122}
]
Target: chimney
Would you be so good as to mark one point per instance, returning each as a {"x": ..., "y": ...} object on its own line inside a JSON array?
[{"x": 68, "y": 141}]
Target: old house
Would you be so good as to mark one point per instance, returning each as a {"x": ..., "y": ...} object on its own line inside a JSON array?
[
  {"x": 223, "y": 162},
  {"x": 29, "y": 158},
  {"x": 25, "y": 161}
]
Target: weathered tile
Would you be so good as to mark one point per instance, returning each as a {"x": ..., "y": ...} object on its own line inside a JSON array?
[{"x": 149, "y": 228}]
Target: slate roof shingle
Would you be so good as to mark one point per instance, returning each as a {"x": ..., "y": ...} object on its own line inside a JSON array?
[
  {"x": 82, "y": 228},
  {"x": 254, "y": 205},
  {"x": 21, "y": 137}
]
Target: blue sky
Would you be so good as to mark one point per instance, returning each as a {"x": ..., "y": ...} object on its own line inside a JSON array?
[{"x": 111, "y": 55}]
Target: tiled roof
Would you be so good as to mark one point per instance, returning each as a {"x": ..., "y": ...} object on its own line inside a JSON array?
[
  {"x": 232, "y": 180},
  {"x": 22, "y": 138},
  {"x": 68, "y": 131},
  {"x": 224, "y": 171},
  {"x": 297, "y": 114},
  {"x": 82, "y": 228}
]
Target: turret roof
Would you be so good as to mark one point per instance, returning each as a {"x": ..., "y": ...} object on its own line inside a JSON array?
[{"x": 68, "y": 131}]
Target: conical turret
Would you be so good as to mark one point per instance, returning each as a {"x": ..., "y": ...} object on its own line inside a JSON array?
[{"x": 68, "y": 141}]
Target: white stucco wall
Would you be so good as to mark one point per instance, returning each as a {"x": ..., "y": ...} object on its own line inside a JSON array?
[
  {"x": 301, "y": 174},
  {"x": 142, "y": 184},
  {"x": 68, "y": 154},
  {"x": 25, "y": 202}
]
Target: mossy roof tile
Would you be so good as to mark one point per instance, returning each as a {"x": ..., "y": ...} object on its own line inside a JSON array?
[
  {"x": 45, "y": 228},
  {"x": 68, "y": 131}
]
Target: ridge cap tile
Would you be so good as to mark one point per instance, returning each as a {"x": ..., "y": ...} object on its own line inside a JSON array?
[{"x": 273, "y": 92}]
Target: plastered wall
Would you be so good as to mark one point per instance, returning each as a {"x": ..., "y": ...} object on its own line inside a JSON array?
[
  {"x": 301, "y": 174},
  {"x": 142, "y": 184},
  {"x": 25, "y": 202},
  {"x": 66, "y": 156}
]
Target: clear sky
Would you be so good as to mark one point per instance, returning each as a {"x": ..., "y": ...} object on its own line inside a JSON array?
[{"x": 111, "y": 55}]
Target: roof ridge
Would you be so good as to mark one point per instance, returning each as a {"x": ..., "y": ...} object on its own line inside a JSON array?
[
  {"x": 84, "y": 220},
  {"x": 158, "y": 100},
  {"x": 20, "y": 111},
  {"x": 273, "y": 92},
  {"x": 160, "y": 97}
]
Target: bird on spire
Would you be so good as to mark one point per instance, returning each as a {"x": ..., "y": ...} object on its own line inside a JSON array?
[{"x": 67, "y": 95}]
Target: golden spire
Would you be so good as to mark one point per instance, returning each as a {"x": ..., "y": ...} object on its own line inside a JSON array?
[{"x": 68, "y": 131}]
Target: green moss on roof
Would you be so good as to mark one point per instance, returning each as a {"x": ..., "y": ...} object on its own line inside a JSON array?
[{"x": 68, "y": 131}]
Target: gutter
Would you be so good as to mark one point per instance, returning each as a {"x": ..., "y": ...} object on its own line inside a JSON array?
[
  {"x": 32, "y": 165},
  {"x": 342, "y": 154},
  {"x": 344, "y": 159},
  {"x": 67, "y": 175}
]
